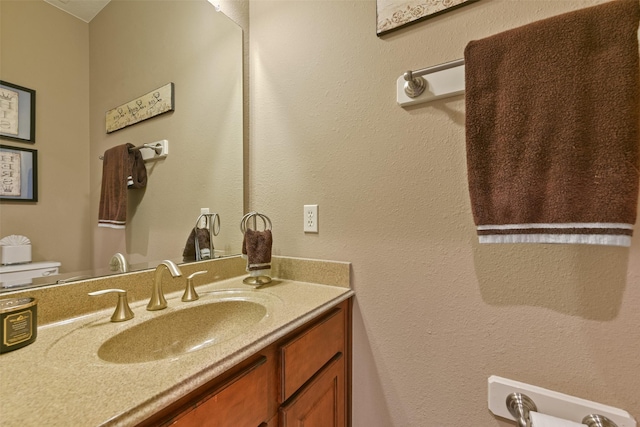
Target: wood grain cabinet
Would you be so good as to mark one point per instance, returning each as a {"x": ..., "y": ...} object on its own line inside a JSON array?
[
  {"x": 313, "y": 374},
  {"x": 321, "y": 403},
  {"x": 238, "y": 402},
  {"x": 304, "y": 379}
]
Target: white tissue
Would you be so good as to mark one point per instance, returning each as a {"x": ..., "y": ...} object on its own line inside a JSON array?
[
  {"x": 15, "y": 249},
  {"x": 15, "y": 240},
  {"x": 542, "y": 420}
]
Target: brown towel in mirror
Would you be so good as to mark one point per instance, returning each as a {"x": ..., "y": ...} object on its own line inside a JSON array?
[
  {"x": 189, "y": 253},
  {"x": 113, "y": 196},
  {"x": 122, "y": 168},
  {"x": 138, "y": 171}
]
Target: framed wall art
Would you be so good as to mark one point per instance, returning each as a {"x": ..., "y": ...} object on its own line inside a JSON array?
[
  {"x": 396, "y": 14},
  {"x": 17, "y": 112},
  {"x": 18, "y": 174}
]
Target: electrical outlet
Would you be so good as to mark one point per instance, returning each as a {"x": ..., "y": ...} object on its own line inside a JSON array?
[{"x": 310, "y": 218}]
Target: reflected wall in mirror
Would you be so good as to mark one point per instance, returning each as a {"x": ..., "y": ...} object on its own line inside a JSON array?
[{"x": 81, "y": 70}]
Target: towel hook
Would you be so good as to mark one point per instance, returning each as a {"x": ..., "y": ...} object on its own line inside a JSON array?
[
  {"x": 414, "y": 86},
  {"x": 244, "y": 223}
]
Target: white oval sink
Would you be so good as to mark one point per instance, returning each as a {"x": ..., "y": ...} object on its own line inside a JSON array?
[{"x": 183, "y": 331}]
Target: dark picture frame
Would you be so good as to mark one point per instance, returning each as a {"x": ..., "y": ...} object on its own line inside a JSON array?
[
  {"x": 17, "y": 112},
  {"x": 18, "y": 174},
  {"x": 393, "y": 15}
]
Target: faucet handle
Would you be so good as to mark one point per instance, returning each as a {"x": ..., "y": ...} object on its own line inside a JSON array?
[
  {"x": 122, "y": 312},
  {"x": 190, "y": 293}
]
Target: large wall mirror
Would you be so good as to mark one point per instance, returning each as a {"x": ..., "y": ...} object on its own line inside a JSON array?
[{"x": 79, "y": 71}]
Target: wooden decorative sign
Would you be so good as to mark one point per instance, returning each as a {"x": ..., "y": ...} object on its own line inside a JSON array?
[
  {"x": 396, "y": 14},
  {"x": 145, "y": 107}
]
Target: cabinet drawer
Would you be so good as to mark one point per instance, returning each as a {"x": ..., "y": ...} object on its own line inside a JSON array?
[
  {"x": 321, "y": 403},
  {"x": 242, "y": 401},
  {"x": 307, "y": 353}
]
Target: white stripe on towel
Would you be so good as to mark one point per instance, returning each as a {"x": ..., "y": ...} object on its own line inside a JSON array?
[
  {"x": 592, "y": 239},
  {"x": 111, "y": 223}
]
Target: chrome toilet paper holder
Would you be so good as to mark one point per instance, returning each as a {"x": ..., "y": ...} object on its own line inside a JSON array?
[{"x": 520, "y": 405}]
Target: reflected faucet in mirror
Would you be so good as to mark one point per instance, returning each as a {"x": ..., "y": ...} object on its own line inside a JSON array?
[{"x": 118, "y": 263}]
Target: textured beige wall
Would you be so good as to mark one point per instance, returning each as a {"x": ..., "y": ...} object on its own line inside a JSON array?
[
  {"x": 47, "y": 50},
  {"x": 200, "y": 51},
  {"x": 436, "y": 314}
]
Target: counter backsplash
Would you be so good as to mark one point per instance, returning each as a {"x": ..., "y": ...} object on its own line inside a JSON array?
[{"x": 59, "y": 302}]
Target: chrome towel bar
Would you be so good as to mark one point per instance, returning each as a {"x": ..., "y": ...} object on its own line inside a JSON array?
[
  {"x": 160, "y": 149},
  {"x": 520, "y": 405},
  {"x": 414, "y": 79},
  {"x": 428, "y": 84},
  {"x": 523, "y": 403}
]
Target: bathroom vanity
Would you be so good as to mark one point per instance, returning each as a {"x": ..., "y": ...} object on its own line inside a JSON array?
[
  {"x": 303, "y": 376},
  {"x": 237, "y": 356}
]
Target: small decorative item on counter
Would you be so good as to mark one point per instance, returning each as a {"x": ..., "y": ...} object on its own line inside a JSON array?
[
  {"x": 256, "y": 248},
  {"x": 15, "y": 249},
  {"x": 19, "y": 318}
]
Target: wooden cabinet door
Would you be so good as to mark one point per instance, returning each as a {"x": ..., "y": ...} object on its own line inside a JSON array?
[
  {"x": 321, "y": 403},
  {"x": 273, "y": 422},
  {"x": 239, "y": 403},
  {"x": 308, "y": 352}
]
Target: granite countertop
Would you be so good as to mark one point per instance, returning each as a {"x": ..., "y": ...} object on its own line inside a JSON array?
[{"x": 59, "y": 380}]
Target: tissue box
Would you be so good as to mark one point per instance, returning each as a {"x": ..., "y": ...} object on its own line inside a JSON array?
[{"x": 15, "y": 254}]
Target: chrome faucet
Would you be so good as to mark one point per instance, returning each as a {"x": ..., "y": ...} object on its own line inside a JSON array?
[{"x": 157, "y": 301}]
